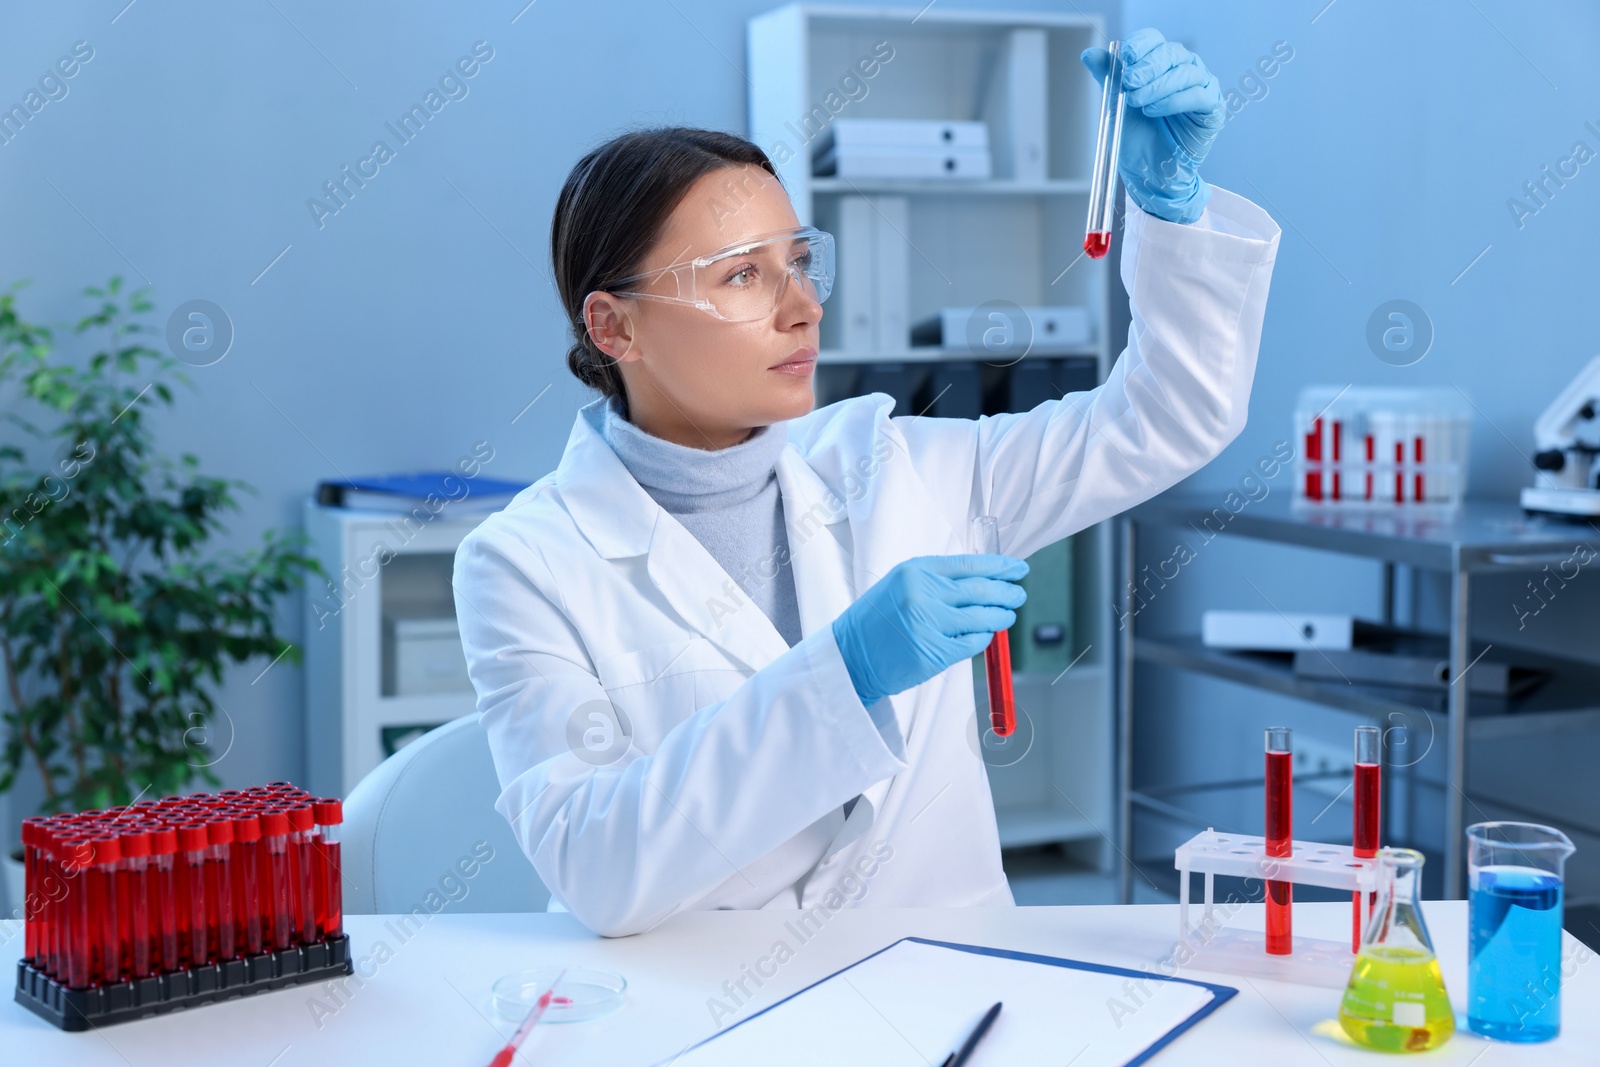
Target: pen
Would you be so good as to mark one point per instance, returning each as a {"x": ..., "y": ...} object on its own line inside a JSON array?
[
  {"x": 959, "y": 1056},
  {"x": 504, "y": 1056}
]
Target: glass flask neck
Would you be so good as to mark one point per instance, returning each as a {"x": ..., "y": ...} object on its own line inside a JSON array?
[{"x": 1396, "y": 920}]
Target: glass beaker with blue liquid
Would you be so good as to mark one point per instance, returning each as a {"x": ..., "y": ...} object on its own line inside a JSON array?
[{"x": 1514, "y": 906}]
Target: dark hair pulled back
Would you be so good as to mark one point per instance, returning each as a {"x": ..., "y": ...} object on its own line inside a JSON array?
[{"x": 613, "y": 207}]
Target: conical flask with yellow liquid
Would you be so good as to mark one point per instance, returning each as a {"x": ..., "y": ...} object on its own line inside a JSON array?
[{"x": 1396, "y": 1000}]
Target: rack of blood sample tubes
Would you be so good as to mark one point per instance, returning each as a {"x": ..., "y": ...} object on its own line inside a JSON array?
[
  {"x": 165, "y": 904},
  {"x": 1381, "y": 448}
]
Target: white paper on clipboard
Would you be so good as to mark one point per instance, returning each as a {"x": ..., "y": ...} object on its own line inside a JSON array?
[{"x": 915, "y": 1001}]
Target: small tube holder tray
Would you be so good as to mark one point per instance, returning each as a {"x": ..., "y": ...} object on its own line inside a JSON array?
[
  {"x": 80, "y": 1009},
  {"x": 1209, "y": 945}
]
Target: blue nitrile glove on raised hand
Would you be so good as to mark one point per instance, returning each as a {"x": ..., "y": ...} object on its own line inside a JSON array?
[
  {"x": 1174, "y": 110},
  {"x": 925, "y": 615}
]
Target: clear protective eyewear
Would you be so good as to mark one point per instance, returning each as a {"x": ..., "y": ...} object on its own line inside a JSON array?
[{"x": 745, "y": 281}]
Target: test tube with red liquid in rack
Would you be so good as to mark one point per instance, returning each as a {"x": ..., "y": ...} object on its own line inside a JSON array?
[
  {"x": 997, "y": 657},
  {"x": 1279, "y": 838},
  {"x": 1107, "y": 150},
  {"x": 1364, "y": 838}
]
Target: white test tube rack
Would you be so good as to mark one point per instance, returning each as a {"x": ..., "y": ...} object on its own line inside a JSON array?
[{"x": 1211, "y": 946}]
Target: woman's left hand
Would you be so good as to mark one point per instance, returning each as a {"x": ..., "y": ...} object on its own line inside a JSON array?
[{"x": 1174, "y": 110}]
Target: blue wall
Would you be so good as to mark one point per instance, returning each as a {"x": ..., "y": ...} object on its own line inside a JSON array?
[
  {"x": 1387, "y": 148},
  {"x": 413, "y": 323}
]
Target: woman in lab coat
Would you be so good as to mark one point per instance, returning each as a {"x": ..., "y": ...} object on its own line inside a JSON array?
[{"x": 675, "y": 728}]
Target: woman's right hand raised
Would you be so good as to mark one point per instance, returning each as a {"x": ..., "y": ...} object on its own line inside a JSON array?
[{"x": 925, "y": 615}]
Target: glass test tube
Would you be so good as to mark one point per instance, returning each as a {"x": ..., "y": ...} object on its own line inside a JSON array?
[
  {"x": 100, "y": 897},
  {"x": 193, "y": 843},
  {"x": 273, "y": 857},
  {"x": 165, "y": 930},
  {"x": 329, "y": 813},
  {"x": 997, "y": 657},
  {"x": 302, "y": 903},
  {"x": 133, "y": 889},
  {"x": 246, "y": 883},
  {"x": 1107, "y": 149},
  {"x": 219, "y": 870},
  {"x": 1364, "y": 837},
  {"x": 32, "y": 876},
  {"x": 1279, "y": 838}
]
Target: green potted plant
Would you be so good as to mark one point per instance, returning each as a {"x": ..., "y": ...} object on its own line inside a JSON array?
[{"x": 115, "y": 625}]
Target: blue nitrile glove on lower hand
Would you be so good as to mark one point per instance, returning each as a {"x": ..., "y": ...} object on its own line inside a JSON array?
[
  {"x": 1173, "y": 111},
  {"x": 925, "y": 615}
]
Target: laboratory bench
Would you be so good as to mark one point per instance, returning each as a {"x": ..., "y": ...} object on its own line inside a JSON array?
[
  {"x": 1480, "y": 538},
  {"x": 420, "y": 994}
]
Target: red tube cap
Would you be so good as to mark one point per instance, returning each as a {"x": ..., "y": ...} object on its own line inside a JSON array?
[
  {"x": 300, "y": 817},
  {"x": 136, "y": 844},
  {"x": 247, "y": 829},
  {"x": 328, "y": 810},
  {"x": 192, "y": 836},
  {"x": 107, "y": 849},
  {"x": 274, "y": 823},
  {"x": 219, "y": 831}
]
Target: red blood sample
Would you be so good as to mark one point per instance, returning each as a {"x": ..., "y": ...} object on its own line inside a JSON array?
[
  {"x": 100, "y": 896},
  {"x": 997, "y": 670},
  {"x": 219, "y": 869},
  {"x": 246, "y": 884},
  {"x": 1364, "y": 841},
  {"x": 276, "y": 930},
  {"x": 133, "y": 887},
  {"x": 1314, "y": 455},
  {"x": 329, "y": 813},
  {"x": 1096, "y": 245},
  {"x": 303, "y": 914},
  {"x": 1279, "y": 843},
  {"x": 193, "y": 841},
  {"x": 1337, "y": 434},
  {"x": 32, "y": 922},
  {"x": 166, "y": 930},
  {"x": 1417, "y": 494}
]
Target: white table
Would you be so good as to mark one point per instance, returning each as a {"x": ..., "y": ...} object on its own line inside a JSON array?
[{"x": 428, "y": 1003}]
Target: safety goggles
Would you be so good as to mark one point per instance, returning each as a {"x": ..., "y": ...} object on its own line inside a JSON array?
[{"x": 745, "y": 281}]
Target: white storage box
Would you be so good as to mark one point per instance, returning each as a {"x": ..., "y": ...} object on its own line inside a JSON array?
[{"x": 424, "y": 656}]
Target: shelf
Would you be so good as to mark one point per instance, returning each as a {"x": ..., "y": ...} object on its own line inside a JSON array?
[
  {"x": 951, "y": 186},
  {"x": 1567, "y": 702},
  {"x": 1486, "y": 535}
]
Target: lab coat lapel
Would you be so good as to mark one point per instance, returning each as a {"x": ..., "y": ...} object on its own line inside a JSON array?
[{"x": 621, "y": 520}]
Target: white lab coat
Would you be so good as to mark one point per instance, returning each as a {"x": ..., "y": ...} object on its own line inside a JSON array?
[{"x": 724, "y": 787}]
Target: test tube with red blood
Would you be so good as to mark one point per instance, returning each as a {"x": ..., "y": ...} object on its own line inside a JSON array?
[
  {"x": 32, "y": 880},
  {"x": 76, "y": 855},
  {"x": 274, "y": 874},
  {"x": 219, "y": 868},
  {"x": 100, "y": 896},
  {"x": 193, "y": 843},
  {"x": 302, "y": 910},
  {"x": 246, "y": 883},
  {"x": 168, "y": 932},
  {"x": 133, "y": 892},
  {"x": 329, "y": 813}
]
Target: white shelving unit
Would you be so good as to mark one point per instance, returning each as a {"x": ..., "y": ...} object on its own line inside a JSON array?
[
  {"x": 354, "y": 716},
  {"x": 1015, "y": 237}
]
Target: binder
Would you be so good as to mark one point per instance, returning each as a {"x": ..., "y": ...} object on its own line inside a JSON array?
[
  {"x": 1017, "y": 106},
  {"x": 903, "y": 133},
  {"x": 891, "y": 221},
  {"x": 915, "y": 999},
  {"x": 908, "y": 163},
  {"x": 854, "y": 296}
]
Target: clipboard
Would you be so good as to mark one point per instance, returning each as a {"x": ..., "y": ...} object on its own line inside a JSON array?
[{"x": 915, "y": 999}]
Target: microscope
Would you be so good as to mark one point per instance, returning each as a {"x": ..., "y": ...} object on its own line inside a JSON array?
[{"x": 1567, "y": 437}]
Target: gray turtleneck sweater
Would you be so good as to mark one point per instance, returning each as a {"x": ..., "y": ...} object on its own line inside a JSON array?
[{"x": 729, "y": 500}]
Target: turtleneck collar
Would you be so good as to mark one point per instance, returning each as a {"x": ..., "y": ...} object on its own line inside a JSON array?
[{"x": 683, "y": 479}]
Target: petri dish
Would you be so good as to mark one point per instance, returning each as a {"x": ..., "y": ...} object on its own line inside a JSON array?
[{"x": 591, "y": 993}]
